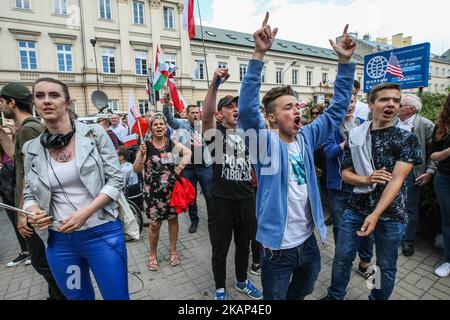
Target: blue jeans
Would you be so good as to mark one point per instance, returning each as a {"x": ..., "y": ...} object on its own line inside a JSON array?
[
  {"x": 412, "y": 208},
  {"x": 292, "y": 273},
  {"x": 442, "y": 189},
  {"x": 204, "y": 176},
  {"x": 388, "y": 235},
  {"x": 338, "y": 202},
  {"x": 101, "y": 249}
]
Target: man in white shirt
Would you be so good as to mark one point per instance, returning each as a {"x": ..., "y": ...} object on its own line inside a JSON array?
[
  {"x": 120, "y": 131},
  {"x": 361, "y": 109}
]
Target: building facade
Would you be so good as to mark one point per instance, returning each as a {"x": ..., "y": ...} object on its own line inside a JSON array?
[{"x": 71, "y": 39}]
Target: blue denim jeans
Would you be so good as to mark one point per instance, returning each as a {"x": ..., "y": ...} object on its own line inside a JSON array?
[
  {"x": 338, "y": 202},
  {"x": 100, "y": 249},
  {"x": 442, "y": 189},
  {"x": 204, "y": 176},
  {"x": 412, "y": 208},
  {"x": 292, "y": 273},
  {"x": 388, "y": 235}
]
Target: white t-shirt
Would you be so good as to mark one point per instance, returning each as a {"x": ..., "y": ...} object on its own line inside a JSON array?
[
  {"x": 120, "y": 131},
  {"x": 74, "y": 190},
  {"x": 408, "y": 124},
  {"x": 361, "y": 110},
  {"x": 299, "y": 225}
]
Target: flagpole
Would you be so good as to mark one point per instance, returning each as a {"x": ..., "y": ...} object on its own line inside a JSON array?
[{"x": 203, "y": 40}]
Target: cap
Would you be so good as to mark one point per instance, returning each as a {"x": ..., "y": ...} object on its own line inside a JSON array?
[
  {"x": 226, "y": 101},
  {"x": 17, "y": 91}
]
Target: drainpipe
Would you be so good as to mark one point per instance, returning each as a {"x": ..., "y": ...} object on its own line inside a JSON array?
[{"x": 84, "y": 84}]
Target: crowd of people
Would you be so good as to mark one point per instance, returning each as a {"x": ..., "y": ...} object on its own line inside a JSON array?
[{"x": 263, "y": 171}]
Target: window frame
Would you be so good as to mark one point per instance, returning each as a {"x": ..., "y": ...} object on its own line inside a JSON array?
[
  {"x": 309, "y": 78},
  {"x": 104, "y": 2},
  {"x": 171, "y": 60},
  {"x": 28, "y": 50},
  {"x": 61, "y": 2},
  {"x": 295, "y": 77},
  {"x": 141, "y": 56},
  {"x": 140, "y": 18},
  {"x": 22, "y": 7},
  {"x": 108, "y": 50},
  {"x": 113, "y": 101},
  {"x": 199, "y": 71},
  {"x": 242, "y": 71},
  {"x": 166, "y": 17},
  {"x": 278, "y": 75},
  {"x": 64, "y": 53}
]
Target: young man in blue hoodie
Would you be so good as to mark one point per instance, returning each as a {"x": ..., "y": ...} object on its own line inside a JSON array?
[{"x": 288, "y": 198}]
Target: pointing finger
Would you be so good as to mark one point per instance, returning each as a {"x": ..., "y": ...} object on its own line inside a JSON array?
[
  {"x": 266, "y": 19},
  {"x": 345, "y": 30}
]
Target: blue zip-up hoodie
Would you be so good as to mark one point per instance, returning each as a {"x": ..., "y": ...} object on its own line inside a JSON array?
[
  {"x": 334, "y": 153},
  {"x": 272, "y": 195}
]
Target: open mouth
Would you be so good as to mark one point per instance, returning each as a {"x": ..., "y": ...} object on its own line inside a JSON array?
[
  {"x": 235, "y": 115},
  {"x": 297, "y": 122},
  {"x": 388, "y": 113}
]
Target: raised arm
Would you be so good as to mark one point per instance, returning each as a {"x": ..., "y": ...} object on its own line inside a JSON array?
[
  {"x": 209, "y": 105},
  {"x": 249, "y": 115},
  {"x": 171, "y": 121},
  {"x": 325, "y": 125}
]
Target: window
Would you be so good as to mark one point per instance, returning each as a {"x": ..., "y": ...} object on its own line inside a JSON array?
[
  {"x": 168, "y": 18},
  {"x": 27, "y": 55},
  {"x": 200, "y": 104},
  {"x": 199, "y": 69},
  {"x": 263, "y": 74},
  {"x": 138, "y": 12},
  {"x": 109, "y": 60},
  {"x": 223, "y": 65},
  {"x": 113, "y": 105},
  {"x": 442, "y": 88},
  {"x": 104, "y": 9},
  {"x": 324, "y": 77},
  {"x": 143, "y": 106},
  {"x": 140, "y": 62},
  {"x": 64, "y": 57},
  {"x": 443, "y": 72},
  {"x": 73, "y": 106},
  {"x": 309, "y": 78},
  {"x": 60, "y": 6},
  {"x": 360, "y": 80},
  {"x": 436, "y": 88},
  {"x": 23, "y": 4},
  {"x": 437, "y": 71},
  {"x": 278, "y": 75},
  {"x": 242, "y": 71},
  {"x": 294, "y": 76},
  {"x": 171, "y": 61}
]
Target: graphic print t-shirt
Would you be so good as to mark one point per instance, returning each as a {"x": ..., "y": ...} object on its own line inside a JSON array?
[
  {"x": 232, "y": 177},
  {"x": 299, "y": 221},
  {"x": 388, "y": 146}
]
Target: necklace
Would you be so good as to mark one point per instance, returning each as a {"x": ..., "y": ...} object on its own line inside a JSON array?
[{"x": 160, "y": 147}]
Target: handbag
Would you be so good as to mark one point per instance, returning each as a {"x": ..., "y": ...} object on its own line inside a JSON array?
[{"x": 129, "y": 224}]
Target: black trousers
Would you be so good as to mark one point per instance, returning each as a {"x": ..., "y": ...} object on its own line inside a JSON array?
[
  {"x": 40, "y": 264},
  {"x": 225, "y": 219},
  {"x": 12, "y": 215}
]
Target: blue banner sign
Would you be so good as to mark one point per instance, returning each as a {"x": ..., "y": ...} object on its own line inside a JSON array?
[{"x": 408, "y": 67}]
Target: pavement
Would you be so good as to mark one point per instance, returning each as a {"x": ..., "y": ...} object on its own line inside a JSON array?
[{"x": 193, "y": 279}]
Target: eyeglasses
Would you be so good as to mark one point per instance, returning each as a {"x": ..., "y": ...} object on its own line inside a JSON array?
[{"x": 315, "y": 113}]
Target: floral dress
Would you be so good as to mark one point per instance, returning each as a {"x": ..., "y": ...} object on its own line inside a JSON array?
[{"x": 159, "y": 182}]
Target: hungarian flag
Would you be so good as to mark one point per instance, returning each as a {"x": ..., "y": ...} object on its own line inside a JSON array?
[
  {"x": 188, "y": 18},
  {"x": 130, "y": 140},
  {"x": 137, "y": 124},
  {"x": 161, "y": 72}
]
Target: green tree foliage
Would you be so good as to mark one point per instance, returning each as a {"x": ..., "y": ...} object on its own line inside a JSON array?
[{"x": 432, "y": 104}]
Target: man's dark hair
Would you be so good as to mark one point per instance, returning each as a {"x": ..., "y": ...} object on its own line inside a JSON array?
[
  {"x": 272, "y": 95},
  {"x": 356, "y": 84},
  {"x": 22, "y": 105},
  {"x": 384, "y": 86},
  {"x": 188, "y": 108},
  {"x": 122, "y": 151}
]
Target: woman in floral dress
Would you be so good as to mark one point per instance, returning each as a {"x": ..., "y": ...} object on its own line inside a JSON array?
[{"x": 157, "y": 157}]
